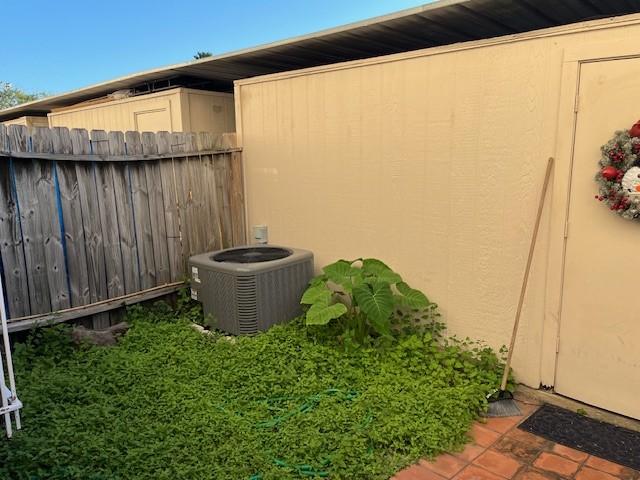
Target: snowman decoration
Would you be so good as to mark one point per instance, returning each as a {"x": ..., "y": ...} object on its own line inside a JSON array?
[{"x": 631, "y": 182}]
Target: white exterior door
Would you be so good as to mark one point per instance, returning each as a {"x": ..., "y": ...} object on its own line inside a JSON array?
[{"x": 599, "y": 349}]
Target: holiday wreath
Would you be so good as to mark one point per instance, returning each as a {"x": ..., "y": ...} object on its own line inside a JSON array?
[{"x": 619, "y": 175}]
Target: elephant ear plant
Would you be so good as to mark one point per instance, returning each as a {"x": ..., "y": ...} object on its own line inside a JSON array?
[{"x": 362, "y": 296}]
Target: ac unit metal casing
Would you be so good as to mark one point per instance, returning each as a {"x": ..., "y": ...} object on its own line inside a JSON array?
[{"x": 245, "y": 298}]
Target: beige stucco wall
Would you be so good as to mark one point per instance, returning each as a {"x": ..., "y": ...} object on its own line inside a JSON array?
[
  {"x": 433, "y": 162},
  {"x": 208, "y": 111},
  {"x": 179, "y": 109}
]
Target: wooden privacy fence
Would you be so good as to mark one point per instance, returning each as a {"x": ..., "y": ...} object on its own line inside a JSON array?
[{"x": 93, "y": 221}]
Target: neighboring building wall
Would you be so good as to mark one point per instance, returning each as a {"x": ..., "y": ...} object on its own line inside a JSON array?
[
  {"x": 178, "y": 109},
  {"x": 433, "y": 162},
  {"x": 153, "y": 112},
  {"x": 208, "y": 111},
  {"x": 28, "y": 121}
]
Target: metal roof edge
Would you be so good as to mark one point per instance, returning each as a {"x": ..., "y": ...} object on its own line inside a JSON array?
[
  {"x": 33, "y": 105},
  {"x": 599, "y": 24}
]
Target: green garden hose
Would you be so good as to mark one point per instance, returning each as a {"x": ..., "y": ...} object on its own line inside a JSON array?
[{"x": 309, "y": 403}]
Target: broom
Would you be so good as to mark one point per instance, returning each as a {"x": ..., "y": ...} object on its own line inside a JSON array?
[{"x": 503, "y": 404}]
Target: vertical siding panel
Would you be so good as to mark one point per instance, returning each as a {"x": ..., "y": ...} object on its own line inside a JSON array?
[
  {"x": 336, "y": 148},
  {"x": 491, "y": 98},
  {"x": 285, "y": 144},
  {"x": 298, "y": 117},
  {"x": 316, "y": 151},
  {"x": 349, "y": 136},
  {"x": 268, "y": 149},
  {"x": 416, "y": 185},
  {"x": 438, "y": 173},
  {"x": 373, "y": 132},
  {"x": 253, "y": 123},
  {"x": 390, "y": 162}
]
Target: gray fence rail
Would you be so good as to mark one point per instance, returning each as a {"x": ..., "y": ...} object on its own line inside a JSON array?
[{"x": 89, "y": 217}]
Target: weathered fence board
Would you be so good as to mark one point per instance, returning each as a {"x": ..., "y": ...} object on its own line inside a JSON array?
[
  {"x": 141, "y": 213},
  {"x": 182, "y": 178},
  {"x": 213, "y": 222},
  {"x": 196, "y": 197},
  {"x": 91, "y": 223},
  {"x": 4, "y": 137},
  {"x": 46, "y": 191},
  {"x": 119, "y": 221},
  {"x": 124, "y": 213},
  {"x": 13, "y": 261},
  {"x": 171, "y": 213},
  {"x": 236, "y": 191},
  {"x": 71, "y": 211},
  {"x": 108, "y": 216},
  {"x": 26, "y": 176},
  {"x": 223, "y": 179},
  {"x": 156, "y": 211}
]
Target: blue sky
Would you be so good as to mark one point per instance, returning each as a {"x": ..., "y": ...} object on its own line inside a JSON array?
[{"x": 59, "y": 45}]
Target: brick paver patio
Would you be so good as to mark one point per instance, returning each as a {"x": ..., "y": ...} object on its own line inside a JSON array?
[{"x": 500, "y": 451}]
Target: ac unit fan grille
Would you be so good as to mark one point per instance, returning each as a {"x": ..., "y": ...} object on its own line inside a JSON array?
[{"x": 252, "y": 255}]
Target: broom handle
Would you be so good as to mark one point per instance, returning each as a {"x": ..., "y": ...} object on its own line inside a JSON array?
[{"x": 507, "y": 368}]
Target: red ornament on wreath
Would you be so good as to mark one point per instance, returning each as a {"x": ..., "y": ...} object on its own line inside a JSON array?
[
  {"x": 610, "y": 173},
  {"x": 635, "y": 130}
]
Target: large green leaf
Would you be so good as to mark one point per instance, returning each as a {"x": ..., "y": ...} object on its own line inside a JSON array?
[
  {"x": 343, "y": 274},
  {"x": 320, "y": 279},
  {"x": 316, "y": 294},
  {"x": 411, "y": 297},
  {"x": 340, "y": 269},
  {"x": 375, "y": 300},
  {"x": 322, "y": 314},
  {"x": 372, "y": 267}
]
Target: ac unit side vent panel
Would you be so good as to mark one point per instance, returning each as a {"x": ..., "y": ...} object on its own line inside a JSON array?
[
  {"x": 277, "y": 304},
  {"x": 220, "y": 306},
  {"x": 247, "y": 305}
]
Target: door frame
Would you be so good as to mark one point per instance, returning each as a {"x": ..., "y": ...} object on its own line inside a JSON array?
[{"x": 568, "y": 107}]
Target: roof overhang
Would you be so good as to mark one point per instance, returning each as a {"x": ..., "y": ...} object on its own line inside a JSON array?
[{"x": 439, "y": 23}]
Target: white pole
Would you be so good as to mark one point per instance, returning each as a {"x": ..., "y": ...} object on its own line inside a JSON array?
[
  {"x": 7, "y": 351},
  {"x": 5, "y": 400}
]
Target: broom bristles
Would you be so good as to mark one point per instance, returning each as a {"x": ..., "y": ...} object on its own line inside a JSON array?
[{"x": 504, "y": 408}]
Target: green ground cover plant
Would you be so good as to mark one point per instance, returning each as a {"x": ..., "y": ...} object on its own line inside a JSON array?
[{"x": 170, "y": 403}]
